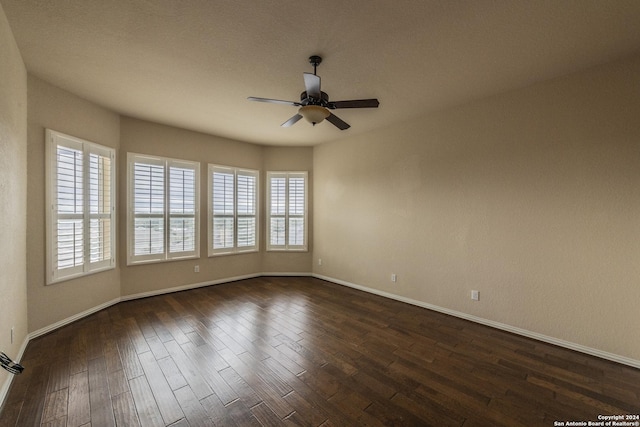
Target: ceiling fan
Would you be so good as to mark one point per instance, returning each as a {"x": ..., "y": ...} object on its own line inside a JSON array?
[{"x": 315, "y": 105}]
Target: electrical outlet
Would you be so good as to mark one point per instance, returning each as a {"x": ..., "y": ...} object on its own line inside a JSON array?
[
  {"x": 12, "y": 334},
  {"x": 475, "y": 295},
  {"x": 319, "y": 261},
  {"x": 196, "y": 269},
  {"x": 394, "y": 277}
]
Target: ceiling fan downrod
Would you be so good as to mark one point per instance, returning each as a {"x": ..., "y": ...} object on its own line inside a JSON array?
[{"x": 315, "y": 60}]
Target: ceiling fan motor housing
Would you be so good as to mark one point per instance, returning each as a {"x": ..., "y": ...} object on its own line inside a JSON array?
[{"x": 307, "y": 100}]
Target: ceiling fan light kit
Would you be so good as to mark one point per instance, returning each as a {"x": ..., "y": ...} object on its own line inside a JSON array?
[
  {"x": 315, "y": 105},
  {"x": 314, "y": 114}
]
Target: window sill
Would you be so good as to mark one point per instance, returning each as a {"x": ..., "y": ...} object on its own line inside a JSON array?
[{"x": 158, "y": 261}]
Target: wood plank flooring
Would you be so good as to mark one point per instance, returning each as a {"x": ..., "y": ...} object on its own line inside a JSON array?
[{"x": 301, "y": 351}]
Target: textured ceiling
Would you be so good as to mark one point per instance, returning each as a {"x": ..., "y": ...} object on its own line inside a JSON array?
[{"x": 193, "y": 63}]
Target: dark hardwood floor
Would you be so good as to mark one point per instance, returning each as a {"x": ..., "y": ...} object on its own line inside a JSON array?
[{"x": 301, "y": 351}]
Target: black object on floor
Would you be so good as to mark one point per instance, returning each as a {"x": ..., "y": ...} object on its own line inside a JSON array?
[{"x": 10, "y": 365}]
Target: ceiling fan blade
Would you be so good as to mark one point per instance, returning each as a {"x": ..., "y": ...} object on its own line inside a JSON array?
[
  {"x": 338, "y": 122},
  {"x": 312, "y": 84},
  {"x": 274, "y": 101},
  {"x": 355, "y": 103},
  {"x": 291, "y": 121}
]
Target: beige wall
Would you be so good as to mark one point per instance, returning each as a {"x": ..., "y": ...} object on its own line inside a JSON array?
[
  {"x": 531, "y": 197},
  {"x": 144, "y": 137},
  {"x": 293, "y": 159},
  {"x": 13, "y": 200},
  {"x": 54, "y": 108}
]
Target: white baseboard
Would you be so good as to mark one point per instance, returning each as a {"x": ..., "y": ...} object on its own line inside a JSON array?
[
  {"x": 131, "y": 297},
  {"x": 4, "y": 389},
  {"x": 276, "y": 274},
  {"x": 188, "y": 287},
  {"x": 523, "y": 332},
  {"x": 562, "y": 343},
  {"x": 68, "y": 320}
]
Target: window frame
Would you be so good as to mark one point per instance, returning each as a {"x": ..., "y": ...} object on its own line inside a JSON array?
[
  {"x": 235, "y": 249},
  {"x": 287, "y": 216},
  {"x": 55, "y": 139},
  {"x": 166, "y": 255}
]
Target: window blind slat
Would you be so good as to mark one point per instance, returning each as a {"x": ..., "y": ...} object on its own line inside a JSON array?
[
  {"x": 100, "y": 239},
  {"x": 246, "y": 195},
  {"x": 223, "y": 200},
  {"x": 181, "y": 190},
  {"x": 99, "y": 188},
  {"x": 148, "y": 188},
  {"x": 278, "y": 196},
  {"x": 182, "y": 235},
  {"x": 149, "y": 236},
  {"x": 246, "y": 231},
  {"x": 296, "y": 231},
  {"x": 69, "y": 180},
  {"x": 223, "y": 232},
  {"x": 70, "y": 244},
  {"x": 296, "y": 196},
  {"x": 277, "y": 234}
]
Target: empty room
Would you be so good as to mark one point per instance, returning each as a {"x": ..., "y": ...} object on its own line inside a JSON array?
[{"x": 319, "y": 213}]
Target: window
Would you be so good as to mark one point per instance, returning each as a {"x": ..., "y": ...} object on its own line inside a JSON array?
[
  {"x": 163, "y": 215},
  {"x": 287, "y": 211},
  {"x": 81, "y": 198},
  {"x": 233, "y": 210}
]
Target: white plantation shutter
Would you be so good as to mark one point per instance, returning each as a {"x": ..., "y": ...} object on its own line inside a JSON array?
[
  {"x": 223, "y": 209},
  {"x": 163, "y": 209},
  {"x": 247, "y": 192},
  {"x": 69, "y": 248},
  {"x": 233, "y": 210},
  {"x": 287, "y": 216},
  {"x": 297, "y": 208},
  {"x": 81, "y": 224},
  {"x": 182, "y": 209},
  {"x": 148, "y": 207},
  {"x": 278, "y": 204},
  {"x": 101, "y": 229}
]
